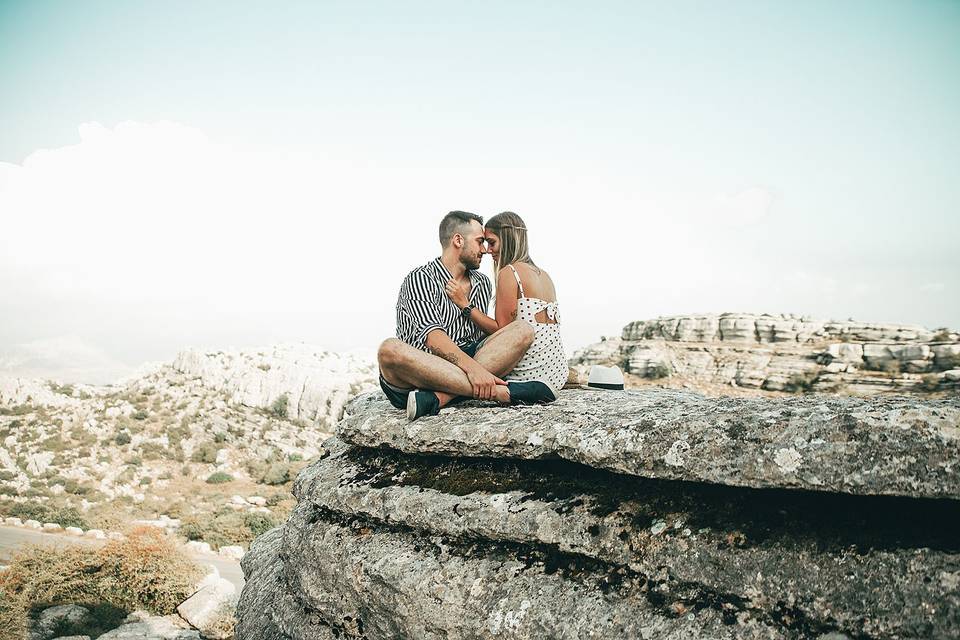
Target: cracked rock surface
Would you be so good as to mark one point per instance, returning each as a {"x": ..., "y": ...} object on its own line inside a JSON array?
[
  {"x": 883, "y": 446},
  {"x": 429, "y": 530}
]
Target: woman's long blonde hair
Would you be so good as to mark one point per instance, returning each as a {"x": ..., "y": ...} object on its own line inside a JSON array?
[{"x": 512, "y": 232}]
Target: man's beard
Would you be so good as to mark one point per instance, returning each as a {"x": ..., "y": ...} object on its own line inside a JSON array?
[{"x": 471, "y": 262}]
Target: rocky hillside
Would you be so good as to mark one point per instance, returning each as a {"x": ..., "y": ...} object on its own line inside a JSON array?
[
  {"x": 634, "y": 514},
  {"x": 783, "y": 353},
  {"x": 208, "y": 443}
]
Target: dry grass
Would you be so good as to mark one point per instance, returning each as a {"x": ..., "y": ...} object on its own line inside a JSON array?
[{"x": 144, "y": 571}]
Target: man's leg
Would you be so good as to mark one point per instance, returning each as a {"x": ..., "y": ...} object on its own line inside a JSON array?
[
  {"x": 404, "y": 366},
  {"x": 499, "y": 354}
]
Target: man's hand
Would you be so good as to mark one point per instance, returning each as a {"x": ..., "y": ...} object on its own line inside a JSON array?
[
  {"x": 455, "y": 292},
  {"x": 483, "y": 383}
]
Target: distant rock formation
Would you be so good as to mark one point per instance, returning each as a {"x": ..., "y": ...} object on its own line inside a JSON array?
[
  {"x": 635, "y": 514},
  {"x": 317, "y": 384},
  {"x": 784, "y": 353}
]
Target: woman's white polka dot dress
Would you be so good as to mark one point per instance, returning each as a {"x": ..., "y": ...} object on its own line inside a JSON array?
[{"x": 545, "y": 360}]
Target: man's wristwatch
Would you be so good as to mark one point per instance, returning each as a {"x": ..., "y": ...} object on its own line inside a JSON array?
[{"x": 465, "y": 312}]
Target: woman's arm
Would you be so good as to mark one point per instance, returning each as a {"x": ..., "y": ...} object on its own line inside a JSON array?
[
  {"x": 487, "y": 324},
  {"x": 507, "y": 291}
]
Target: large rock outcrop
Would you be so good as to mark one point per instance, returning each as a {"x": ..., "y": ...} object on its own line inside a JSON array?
[
  {"x": 313, "y": 385},
  {"x": 587, "y": 519},
  {"x": 784, "y": 352}
]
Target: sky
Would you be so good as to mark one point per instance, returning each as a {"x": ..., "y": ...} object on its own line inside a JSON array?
[{"x": 215, "y": 175}]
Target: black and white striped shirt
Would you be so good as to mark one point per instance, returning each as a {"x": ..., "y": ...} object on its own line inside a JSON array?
[{"x": 423, "y": 306}]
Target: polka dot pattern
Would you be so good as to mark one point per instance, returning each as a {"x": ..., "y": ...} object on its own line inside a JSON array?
[{"x": 545, "y": 360}]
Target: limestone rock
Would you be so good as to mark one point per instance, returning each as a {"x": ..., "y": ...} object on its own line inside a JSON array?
[
  {"x": 146, "y": 627},
  {"x": 778, "y": 353},
  {"x": 207, "y": 608},
  {"x": 316, "y": 384},
  {"x": 889, "y": 446},
  {"x": 52, "y": 619},
  {"x": 837, "y": 559}
]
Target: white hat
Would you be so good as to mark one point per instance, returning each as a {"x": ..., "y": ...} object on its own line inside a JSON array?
[{"x": 605, "y": 378}]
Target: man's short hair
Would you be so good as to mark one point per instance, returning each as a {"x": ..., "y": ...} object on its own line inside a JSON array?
[{"x": 453, "y": 222}]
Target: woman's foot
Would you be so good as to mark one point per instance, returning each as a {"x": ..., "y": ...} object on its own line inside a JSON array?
[{"x": 531, "y": 392}]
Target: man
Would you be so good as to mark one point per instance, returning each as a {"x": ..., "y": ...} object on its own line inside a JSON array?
[{"x": 439, "y": 354}]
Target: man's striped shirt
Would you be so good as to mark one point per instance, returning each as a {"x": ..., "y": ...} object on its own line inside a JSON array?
[{"x": 423, "y": 306}]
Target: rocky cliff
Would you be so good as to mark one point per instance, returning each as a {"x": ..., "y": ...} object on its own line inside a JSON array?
[
  {"x": 641, "y": 514},
  {"x": 784, "y": 353}
]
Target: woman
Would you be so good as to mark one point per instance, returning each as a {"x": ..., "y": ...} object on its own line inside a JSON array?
[{"x": 524, "y": 292}]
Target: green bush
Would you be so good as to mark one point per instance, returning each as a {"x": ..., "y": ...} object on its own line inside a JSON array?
[
  {"x": 219, "y": 477},
  {"x": 276, "y": 473},
  {"x": 280, "y": 407},
  {"x": 140, "y": 414},
  {"x": 225, "y": 527},
  {"x": 122, "y": 438},
  {"x": 7, "y": 475},
  {"x": 62, "y": 389},
  {"x": 206, "y": 452},
  {"x": 65, "y": 516},
  {"x": 258, "y": 523},
  {"x": 942, "y": 335},
  {"x": 801, "y": 382},
  {"x": 19, "y": 410}
]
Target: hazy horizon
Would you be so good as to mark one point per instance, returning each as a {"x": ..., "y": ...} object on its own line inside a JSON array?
[{"x": 179, "y": 175}]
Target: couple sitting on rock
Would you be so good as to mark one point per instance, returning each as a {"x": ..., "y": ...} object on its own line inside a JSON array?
[{"x": 448, "y": 349}]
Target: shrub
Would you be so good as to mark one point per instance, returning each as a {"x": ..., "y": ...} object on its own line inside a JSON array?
[
  {"x": 62, "y": 389},
  {"x": 65, "y": 516},
  {"x": 219, "y": 477},
  {"x": 279, "y": 408},
  {"x": 258, "y": 523},
  {"x": 140, "y": 414},
  {"x": 225, "y": 527},
  {"x": 276, "y": 473},
  {"x": 942, "y": 335},
  {"x": 801, "y": 382},
  {"x": 77, "y": 489},
  {"x": 19, "y": 410},
  {"x": 206, "y": 452},
  {"x": 144, "y": 571},
  {"x": 930, "y": 382},
  {"x": 7, "y": 475},
  {"x": 122, "y": 438}
]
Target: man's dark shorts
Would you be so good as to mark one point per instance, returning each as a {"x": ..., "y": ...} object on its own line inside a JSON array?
[{"x": 398, "y": 395}]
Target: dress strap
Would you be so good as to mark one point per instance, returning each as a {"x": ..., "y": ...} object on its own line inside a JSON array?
[{"x": 517, "y": 276}]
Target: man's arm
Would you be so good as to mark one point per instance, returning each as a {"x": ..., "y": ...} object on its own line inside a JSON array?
[{"x": 483, "y": 381}]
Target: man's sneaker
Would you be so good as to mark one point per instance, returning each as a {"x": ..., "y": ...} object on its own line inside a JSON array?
[
  {"x": 422, "y": 403},
  {"x": 532, "y": 392}
]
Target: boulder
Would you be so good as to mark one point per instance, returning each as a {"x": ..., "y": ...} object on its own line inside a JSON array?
[
  {"x": 53, "y": 619},
  {"x": 586, "y": 518},
  {"x": 210, "y": 608},
  {"x": 233, "y": 552},
  {"x": 143, "y": 626},
  {"x": 197, "y": 546},
  {"x": 889, "y": 446}
]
